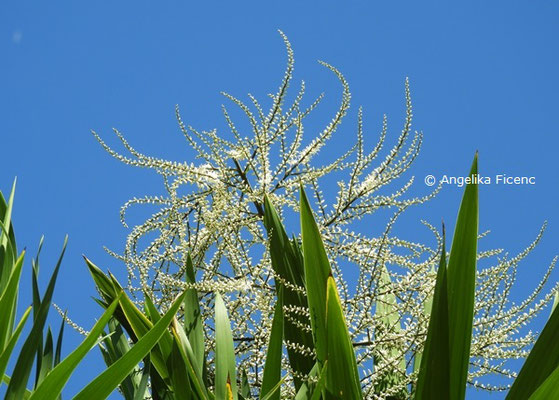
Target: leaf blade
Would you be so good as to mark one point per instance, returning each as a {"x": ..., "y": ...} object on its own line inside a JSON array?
[
  {"x": 461, "y": 279},
  {"x": 107, "y": 381}
]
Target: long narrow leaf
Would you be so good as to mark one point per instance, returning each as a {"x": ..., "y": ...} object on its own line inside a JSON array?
[
  {"x": 142, "y": 386},
  {"x": 24, "y": 363},
  {"x": 541, "y": 362},
  {"x": 272, "y": 367},
  {"x": 321, "y": 384},
  {"x": 7, "y": 217},
  {"x": 549, "y": 389},
  {"x": 342, "y": 375},
  {"x": 305, "y": 392},
  {"x": 6, "y": 379},
  {"x": 193, "y": 323},
  {"x": 51, "y": 387},
  {"x": 245, "y": 387},
  {"x": 275, "y": 389},
  {"x": 116, "y": 345},
  {"x": 139, "y": 325},
  {"x": 225, "y": 374},
  {"x": 190, "y": 360},
  {"x": 461, "y": 277},
  {"x": 106, "y": 382},
  {"x": 288, "y": 265},
  {"x": 47, "y": 359},
  {"x": 7, "y": 302},
  {"x": 427, "y": 306},
  {"x": 433, "y": 381},
  {"x": 317, "y": 271},
  {"x": 5, "y": 354}
]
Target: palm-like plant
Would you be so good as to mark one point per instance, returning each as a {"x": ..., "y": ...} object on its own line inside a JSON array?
[
  {"x": 326, "y": 356},
  {"x": 221, "y": 224}
]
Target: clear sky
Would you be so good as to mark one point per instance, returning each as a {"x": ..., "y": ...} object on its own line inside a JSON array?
[{"x": 483, "y": 76}]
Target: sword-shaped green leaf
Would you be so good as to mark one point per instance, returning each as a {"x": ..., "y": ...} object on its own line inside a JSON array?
[
  {"x": 193, "y": 324},
  {"x": 541, "y": 363},
  {"x": 225, "y": 369},
  {"x": 51, "y": 386},
  {"x": 24, "y": 363},
  {"x": 433, "y": 381},
  {"x": 245, "y": 386},
  {"x": 272, "y": 367},
  {"x": 8, "y": 249},
  {"x": 342, "y": 375},
  {"x": 107, "y": 381},
  {"x": 461, "y": 279},
  {"x": 287, "y": 263},
  {"x": 321, "y": 384},
  {"x": 7, "y": 301},
  {"x": 427, "y": 306},
  {"x": 549, "y": 389},
  {"x": 190, "y": 361},
  {"x": 7, "y": 351},
  {"x": 317, "y": 271}
]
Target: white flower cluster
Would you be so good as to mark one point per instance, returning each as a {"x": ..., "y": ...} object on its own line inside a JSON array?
[{"x": 219, "y": 223}]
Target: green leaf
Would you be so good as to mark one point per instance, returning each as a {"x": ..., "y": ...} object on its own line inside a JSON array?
[
  {"x": 142, "y": 386},
  {"x": 58, "y": 350},
  {"x": 342, "y": 375},
  {"x": 6, "y": 379},
  {"x": 7, "y": 351},
  {"x": 541, "y": 363},
  {"x": 549, "y": 389},
  {"x": 52, "y": 385},
  {"x": 427, "y": 306},
  {"x": 7, "y": 302},
  {"x": 166, "y": 342},
  {"x": 225, "y": 374},
  {"x": 139, "y": 325},
  {"x": 272, "y": 367},
  {"x": 317, "y": 271},
  {"x": 108, "y": 291},
  {"x": 106, "y": 382},
  {"x": 7, "y": 240},
  {"x": 179, "y": 379},
  {"x": 190, "y": 360},
  {"x": 7, "y": 216},
  {"x": 47, "y": 358},
  {"x": 305, "y": 392},
  {"x": 24, "y": 363},
  {"x": 245, "y": 387},
  {"x": 193, "y": 324},
  {"x": 116, "y": 345},
  {"x": 461, "y": 280},
  {"x": 287, "y": 263},
  {"x": 275, "y": 389},
  {"x": 433, "y": 381},
  {"x": 321, "y": 384}
]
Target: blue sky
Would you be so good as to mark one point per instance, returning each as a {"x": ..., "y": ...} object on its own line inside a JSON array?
[{"x": 483, "y": 76}]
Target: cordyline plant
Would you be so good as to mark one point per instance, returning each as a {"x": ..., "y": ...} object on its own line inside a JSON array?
[
  {"x": 179, "y": 367},
  {"x": 173, "y": 356},
  {"x": 213, "y": 211}
]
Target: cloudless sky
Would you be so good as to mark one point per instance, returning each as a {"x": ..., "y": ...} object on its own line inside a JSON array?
[{"x": 483, "y": 76}]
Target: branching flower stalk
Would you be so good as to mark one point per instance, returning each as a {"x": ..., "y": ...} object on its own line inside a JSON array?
[{"x": 219, "y": 222}]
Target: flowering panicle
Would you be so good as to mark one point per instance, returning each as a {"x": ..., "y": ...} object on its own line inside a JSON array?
[{"x": 219, "y": 223}]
